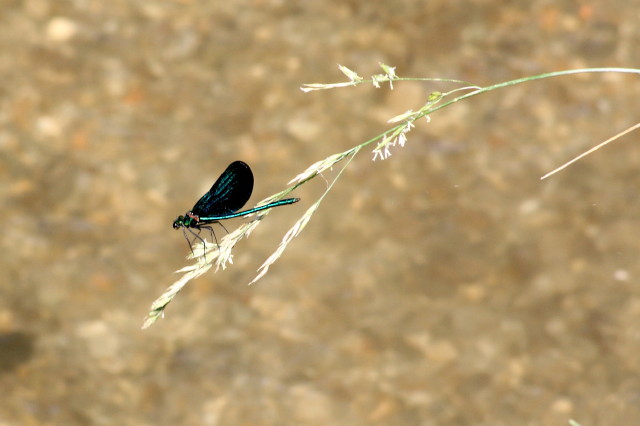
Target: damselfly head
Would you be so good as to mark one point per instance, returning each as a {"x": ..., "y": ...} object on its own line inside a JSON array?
[{"x": 179, "y": 222}]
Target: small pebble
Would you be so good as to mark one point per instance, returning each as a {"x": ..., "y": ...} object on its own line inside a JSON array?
[{"x": 61, "y": 29}]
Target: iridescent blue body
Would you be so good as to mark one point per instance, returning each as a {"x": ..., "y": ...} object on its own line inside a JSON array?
[{"x": 227, "y": 195}]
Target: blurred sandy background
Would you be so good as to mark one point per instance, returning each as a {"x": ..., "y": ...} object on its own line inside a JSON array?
[{"x": 447, "y": 285}]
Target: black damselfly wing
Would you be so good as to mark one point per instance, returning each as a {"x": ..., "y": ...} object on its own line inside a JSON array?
[{"x": 228, "y": 194}]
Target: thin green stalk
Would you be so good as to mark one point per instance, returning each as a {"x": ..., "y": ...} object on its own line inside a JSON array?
[{"x": 396, "y": 135}]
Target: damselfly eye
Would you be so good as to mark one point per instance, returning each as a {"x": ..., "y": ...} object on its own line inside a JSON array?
[{"x": 178, "y": 222}]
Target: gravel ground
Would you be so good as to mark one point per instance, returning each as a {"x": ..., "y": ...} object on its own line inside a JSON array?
[{"x": 446, "y": 285}]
